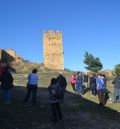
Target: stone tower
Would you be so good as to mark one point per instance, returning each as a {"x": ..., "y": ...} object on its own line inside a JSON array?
[{"x": 53, "y": 50}]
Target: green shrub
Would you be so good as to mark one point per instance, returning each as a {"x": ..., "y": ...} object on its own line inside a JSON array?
[{"x": 117, "y": 69}]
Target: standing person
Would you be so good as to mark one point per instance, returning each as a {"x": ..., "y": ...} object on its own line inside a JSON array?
[
  {"x": 7, "y": 84},
  {"x": 100, "y": 89},
  {"x": 32, "y": 86},
  {"x": 116, "y": 93},
  {"x": 93, "y": 85},
  {"x": 106, "y": 91},
  {"x": 73, "y": 81},
  {"x": 86, "y": 80},
  {"x": 79, "y": 81},
  {"x": 54, "y": 99},
  {"x": 104, "y": 79},
  {"x": 62, "y": 83}
]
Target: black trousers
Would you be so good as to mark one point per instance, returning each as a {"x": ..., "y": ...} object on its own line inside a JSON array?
[
  {"x": 56, "y": 111},
  {"x": 33, "y": 90},
  {"x": 73, "y": 86}
]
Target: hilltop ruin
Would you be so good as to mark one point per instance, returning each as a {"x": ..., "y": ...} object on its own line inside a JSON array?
[
  {"x": 53, "y": 50},
  {"x": 9, "y": 55}
]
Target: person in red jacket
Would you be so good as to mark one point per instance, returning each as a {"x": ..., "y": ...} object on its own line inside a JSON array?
[{"x": 73, "y": 81}]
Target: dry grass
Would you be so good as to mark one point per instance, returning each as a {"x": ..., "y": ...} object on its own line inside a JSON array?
[{"x": 80, "y": 112}]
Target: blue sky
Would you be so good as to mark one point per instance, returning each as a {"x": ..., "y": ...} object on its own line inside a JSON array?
[{"x": 87, "y": 25}]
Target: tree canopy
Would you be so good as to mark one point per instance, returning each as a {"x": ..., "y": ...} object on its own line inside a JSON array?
[
  {"x": 117, "y": 69},
  {"x": 92, "y": 63}
]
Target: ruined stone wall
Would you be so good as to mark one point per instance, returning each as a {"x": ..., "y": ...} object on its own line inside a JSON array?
[
  {"x": 53, "y": 50},
  {"x": 11, "y": 52}
]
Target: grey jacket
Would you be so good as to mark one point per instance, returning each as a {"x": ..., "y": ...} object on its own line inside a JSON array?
[{"x": 116, "y": 82}]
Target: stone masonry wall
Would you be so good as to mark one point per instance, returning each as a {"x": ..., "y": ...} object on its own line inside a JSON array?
[
  {"x": 53, "y": 50},
  {"x": 8, "y": 55}
]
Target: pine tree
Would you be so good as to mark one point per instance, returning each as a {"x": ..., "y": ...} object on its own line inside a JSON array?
[
  {"x": 93, "y": 64},
  {"x": 117, "y": 69}
]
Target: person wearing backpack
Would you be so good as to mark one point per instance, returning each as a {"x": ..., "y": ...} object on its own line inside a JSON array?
[
  {"x": 54, "y": 99},
  {"x": 32, "y": 86},
  {"x": 62, "y": 82},
  {"x": 7, "y": 84}
]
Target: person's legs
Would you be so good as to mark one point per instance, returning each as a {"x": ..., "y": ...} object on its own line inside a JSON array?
[
  {"x": 103, "y": 97},
  {"x": 118, "y": 95},
  {"x": 34, "y": 90},
  {"x": 7, "y": 95},
  {"x": 59, "y": 110},
  {"x": 73, "y": 86},
  {"x": 92, "y": 90},
  {"x": 54, "y": 113},
  {"x": 100, "y": 97},
  {"x": 115, "y": 95},
  {"x": 76, "y": 87},
  {"x": 80, "y": 88},
  {"x": 28, "y": 94},
  {"x": 62, "y": 94},
  {"x": 86, "y": 84}
]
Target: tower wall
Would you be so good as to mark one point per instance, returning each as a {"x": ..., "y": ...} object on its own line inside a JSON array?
[{"x": 53, "y": 50}]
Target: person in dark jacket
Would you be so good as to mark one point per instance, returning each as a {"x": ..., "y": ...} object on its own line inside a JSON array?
[
  {"x": 7, "y": 84},
  {"x": 104, "y": 79},
  {"x": 62, "y": 83},
  {"x": 79, "y": 82},
  {"x": 86, "y": 80},
  {"x": 93, "y": 85},
  {"x": 54, "y": 99}
]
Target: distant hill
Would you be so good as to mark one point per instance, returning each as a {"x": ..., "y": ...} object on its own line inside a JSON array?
[{"x": 27, "y": 66}]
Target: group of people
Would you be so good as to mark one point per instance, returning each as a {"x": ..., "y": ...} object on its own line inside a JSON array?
[
  {"x": 77, "y": 81},
  {"x": 97, "y": 85},
  {"x": 56, "y": 90}
]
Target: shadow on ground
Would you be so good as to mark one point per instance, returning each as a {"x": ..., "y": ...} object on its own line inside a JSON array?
[{"x": 78, "y": 113}]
